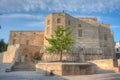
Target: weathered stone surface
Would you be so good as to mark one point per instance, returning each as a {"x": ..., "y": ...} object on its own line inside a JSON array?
[
  {"x": 28, "y": 52},
  {"x": 59, "y": 68},
  {"x": 105, "y": 64},
  {"x": 35, "y": 38},
  {"x": 11, "y": 54},
  {"x": 95, "y": 38}
]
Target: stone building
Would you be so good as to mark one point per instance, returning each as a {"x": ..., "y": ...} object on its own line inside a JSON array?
[
  {"x": 117, "y": 47},
  {"x": 34, "y": 38},
  {"x": 95, "y": 40},
  {"x": 29, "y": 43}
]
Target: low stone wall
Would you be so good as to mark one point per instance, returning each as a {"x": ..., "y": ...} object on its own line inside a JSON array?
[
  {"x": 10, "y": 55},
  {"x": 59, "y": 68},
  {"x": 105, "y": 64}
]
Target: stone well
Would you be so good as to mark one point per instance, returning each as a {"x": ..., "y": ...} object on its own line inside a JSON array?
[{"x": 65, "y": 68}]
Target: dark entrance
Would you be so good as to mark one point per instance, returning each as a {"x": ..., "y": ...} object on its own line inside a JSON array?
[{"x": 116, "y": 56}]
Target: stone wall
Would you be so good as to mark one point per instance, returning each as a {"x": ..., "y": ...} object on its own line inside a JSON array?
[
  {"x": 105, "y": 64},
  {"x": 92, "y": 34},
  {"x": 63, "y": 69},
  {"x": 28, "y": 52},
  {"x": 11, "y": 54},
  {"x": 106, "y": 40},
  {"x": 35, "y": 38}
]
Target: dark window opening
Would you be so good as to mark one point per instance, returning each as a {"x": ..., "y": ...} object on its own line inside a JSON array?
[
  {"x": 58, "y": 20},
  {"x": 47, "y": 31},
  {"x": 69, "y": 22},
  {"x": 27, "y": 42},
  {"x": 117, "y": 50},
  {"x": 26, "y": 55},
  {"x": 14, "y": 35},
  {"x": 80, "y": 32},
  {"x": 105, "y": 37},
  {"x": 79, "y": 25},
  {"x": 48, "y": 22},
  {"x": 14, "y": 41}
]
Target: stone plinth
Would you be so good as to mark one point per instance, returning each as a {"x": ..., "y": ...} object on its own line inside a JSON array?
[{"x": 62, "y": 69}]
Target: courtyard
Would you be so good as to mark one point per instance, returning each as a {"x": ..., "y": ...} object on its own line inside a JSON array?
[{"x": 32, "y": 75}]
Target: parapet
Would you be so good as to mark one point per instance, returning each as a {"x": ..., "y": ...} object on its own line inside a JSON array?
[
  {"x": 89, "y": 20},
  {"x": 105, "y": 25}
]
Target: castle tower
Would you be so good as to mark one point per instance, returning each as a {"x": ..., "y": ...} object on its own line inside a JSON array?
[{"x": 90, "y": 36}]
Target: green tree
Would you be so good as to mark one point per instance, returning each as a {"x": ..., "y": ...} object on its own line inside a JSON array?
[
  {"x": 61, "y": 40},
  {"x": 3, "y": 45}
]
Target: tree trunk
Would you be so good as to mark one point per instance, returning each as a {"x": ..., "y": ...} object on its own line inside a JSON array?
[{"x": 60, "y": 55}]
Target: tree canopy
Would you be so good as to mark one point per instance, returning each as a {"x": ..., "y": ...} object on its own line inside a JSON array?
[
  {"x": 3, "y": 45},
  {"x": 61, "y": 40}
]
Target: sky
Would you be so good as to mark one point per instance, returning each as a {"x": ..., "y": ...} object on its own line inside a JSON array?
[{"x": 30, "y": 14}]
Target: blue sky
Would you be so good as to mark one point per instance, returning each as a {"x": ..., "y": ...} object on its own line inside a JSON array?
[{"x": 30, "y": 14}]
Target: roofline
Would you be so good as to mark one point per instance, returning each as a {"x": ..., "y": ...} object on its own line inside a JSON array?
[{"x": 26, "y": 31}]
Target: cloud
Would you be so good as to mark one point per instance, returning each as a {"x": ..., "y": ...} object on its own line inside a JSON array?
[
  {"x": 114, "y": 27},
  {"x": 35, "y": 24},
  {"x": 86, "y": 6},
  {"x": 25, "y": 16}
]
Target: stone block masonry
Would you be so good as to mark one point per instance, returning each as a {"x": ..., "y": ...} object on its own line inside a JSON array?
[{"x": 59, "y": 68}]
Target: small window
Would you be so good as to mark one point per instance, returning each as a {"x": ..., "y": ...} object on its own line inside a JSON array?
[
  {"x": 27, "y": 42},
  {"x": 14, "y": 41},
  {"x": 117, "y": 50},
  {"x": 15, "y": 35},
  {"x": 58, "y": 20},
  {"x": 79, "y": 25},
  {"x": 105, "y": 37},
  {"x": 48, "y": 22},
  {"x": 47, "y": 30},
  {"x": 80, "y": 32},
  {"x": 69, "y": 22},
  {"x": 34, "y": 33}
]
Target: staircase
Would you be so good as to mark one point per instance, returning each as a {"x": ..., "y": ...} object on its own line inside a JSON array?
[{"x": 24, "y": 67}]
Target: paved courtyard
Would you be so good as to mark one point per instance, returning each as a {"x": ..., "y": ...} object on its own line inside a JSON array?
[{"x": 32, "y": 75}]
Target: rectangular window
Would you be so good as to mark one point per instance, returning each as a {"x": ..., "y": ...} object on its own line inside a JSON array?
[
  {"x": 27, "y": 42},
  {"x": 105, "y": 37},
  {"x": 14, "y": 41},
  {"x": 47, "y": 30},
  {"x": 80, "y": 32},
  {"x": 69, "y": 22},
  {"x": 58, "y": 20},
  {"x": 48, "y": 22},
  {"x": 14, "y": 35},
  {"x": 79, "y": 25}
]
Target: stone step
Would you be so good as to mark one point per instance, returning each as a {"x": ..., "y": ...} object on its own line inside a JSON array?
[{"x": 24, "y": 67}]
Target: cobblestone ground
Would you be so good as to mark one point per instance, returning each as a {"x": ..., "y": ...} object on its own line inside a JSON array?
[{"x": 32, "y": 75}]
